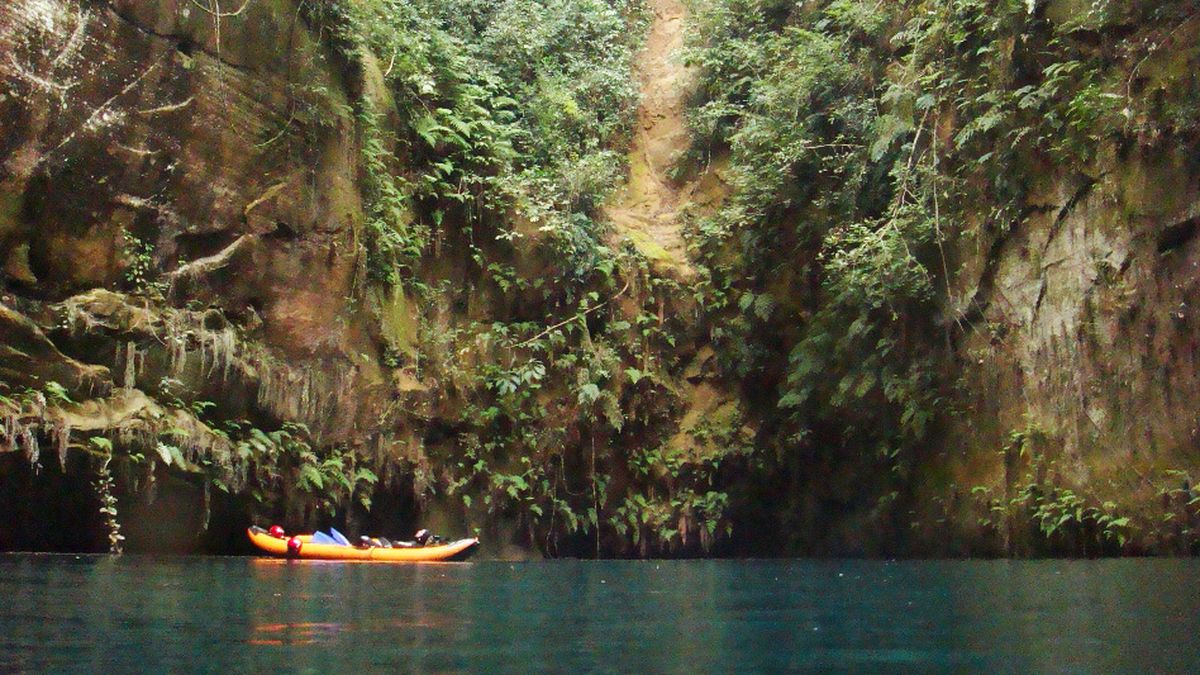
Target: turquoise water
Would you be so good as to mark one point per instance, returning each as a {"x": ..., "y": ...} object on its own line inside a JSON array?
[{"x": 154, "y": 614}]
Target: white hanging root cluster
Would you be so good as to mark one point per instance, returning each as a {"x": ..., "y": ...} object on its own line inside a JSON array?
[
  {"x": 23, "y": 422},
  {"x": 178, "y": 344},
  {"x": 313, "y": 396}
]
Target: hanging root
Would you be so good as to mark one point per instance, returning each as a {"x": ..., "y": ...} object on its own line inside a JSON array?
[{"x": 108, "y": 506}]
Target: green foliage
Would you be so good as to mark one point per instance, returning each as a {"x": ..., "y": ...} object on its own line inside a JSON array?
[
  {"x": 1058, "y": 510},
  {"x": 509, "y": 121},
  {"x": 552, "y": 418},
  {"x": 394, "y": 240},
  {"x": 824, "y": 203},
  {"x": 1063, "y": 519},
  {"x": 502, "y": 110},
  {"x": 273, "y": 463},
  {"x": 863, "y": 139},
  {"x": 675, "y": 495},
  {"x": 140, "y": 268},
  {"x": 1179, "y": 520},
  {"x": 56, "y": 392}
]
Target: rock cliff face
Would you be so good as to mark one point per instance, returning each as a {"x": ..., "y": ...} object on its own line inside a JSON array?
[
  {"x": 190, "y": 319},
  {"x": 961, "y": 239},
  {"x": 1079, "y": 361},
  {"x": 138, "y": 148},
  {"x": 1077, "y": 339},
  {"x": 159, "y": 150},
  {"x": 190, "y": 294}
]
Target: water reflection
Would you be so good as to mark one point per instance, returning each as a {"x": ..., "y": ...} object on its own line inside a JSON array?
[
  {"x": 1080, "y": 616},
  {"x": 169, "y": 614}
]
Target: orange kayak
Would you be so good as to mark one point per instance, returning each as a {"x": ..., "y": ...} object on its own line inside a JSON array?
[{"x": 455, "y": 550}]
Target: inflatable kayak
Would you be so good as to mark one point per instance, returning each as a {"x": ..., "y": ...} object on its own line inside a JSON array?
[{"x": 311, "y": 550}]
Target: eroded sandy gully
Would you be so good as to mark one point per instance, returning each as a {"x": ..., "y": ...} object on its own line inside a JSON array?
[{"x": 648, "y": 209}]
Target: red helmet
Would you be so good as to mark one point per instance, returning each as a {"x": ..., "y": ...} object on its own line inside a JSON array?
[
  {"x": 276, "y": 531},
  {"x": 293, "y": 547}
]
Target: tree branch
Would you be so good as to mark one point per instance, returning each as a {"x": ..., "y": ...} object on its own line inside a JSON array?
[{"x": 580, "y": 315}]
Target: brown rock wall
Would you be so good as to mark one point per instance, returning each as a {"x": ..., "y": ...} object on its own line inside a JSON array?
[{"x": 215, "y": 158}]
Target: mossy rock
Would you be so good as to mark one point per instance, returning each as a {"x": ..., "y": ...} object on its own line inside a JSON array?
[
  {"x": 397, "y": 319},
  {"x": 1072, "y": 15},
  {"x": 11, "y": 206}
]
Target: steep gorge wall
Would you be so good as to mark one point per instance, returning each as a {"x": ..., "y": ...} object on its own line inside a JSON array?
[
  {"x": 157, "y": 150},
  {"x": 195, "y": 318},
  {"x": 1077, "y": 345},
  {"x": 135, "y": 143},
  {"x": 324, "y": 263},
  {"x": 1083, "y": 336},
  {"x": 962, "y": 243}
]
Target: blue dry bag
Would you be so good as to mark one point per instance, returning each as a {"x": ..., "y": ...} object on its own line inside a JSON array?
[
  {"x": 339, "y": 537},
  {"x": 320, "y": 537}
]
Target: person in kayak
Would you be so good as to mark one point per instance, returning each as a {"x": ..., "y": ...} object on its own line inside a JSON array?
[
  {"x": 421, "y": 539},
  {"x": 424, "y": 538},
  {"x": 373, "y": 542}
]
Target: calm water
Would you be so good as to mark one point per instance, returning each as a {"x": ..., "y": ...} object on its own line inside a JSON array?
[{"x": 243, "y": 614}]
